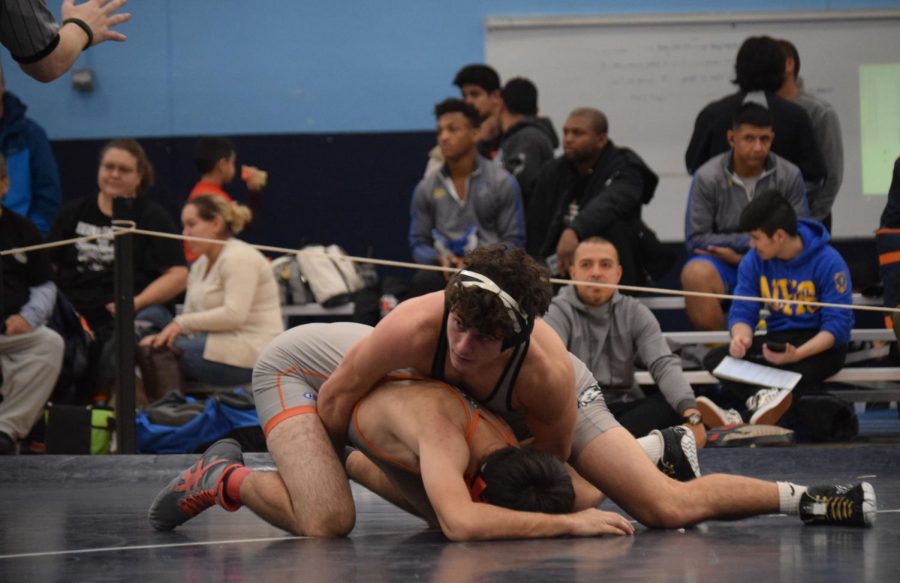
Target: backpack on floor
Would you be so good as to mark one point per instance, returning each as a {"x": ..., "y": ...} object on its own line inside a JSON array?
[{"x": 824, "y": 417}]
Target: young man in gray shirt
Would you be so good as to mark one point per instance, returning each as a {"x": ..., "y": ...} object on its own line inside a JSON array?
[
  {"x": 470, "y": 202},
  {"x": 607, "y": 331},
  {"x": 721, "y": 188}
]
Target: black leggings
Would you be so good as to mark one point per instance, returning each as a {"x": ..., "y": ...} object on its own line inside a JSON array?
[
  {"x": 814, "y": 369},
  {"x": 643, "y": 416}
]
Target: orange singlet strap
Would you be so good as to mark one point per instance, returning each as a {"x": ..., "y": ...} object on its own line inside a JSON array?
[
  {"x": 500, "y": 427},
  {"x": 371, "y": 446}
]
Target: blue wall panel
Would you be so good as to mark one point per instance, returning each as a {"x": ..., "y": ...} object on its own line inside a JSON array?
[{"x": 282, "y": 66}]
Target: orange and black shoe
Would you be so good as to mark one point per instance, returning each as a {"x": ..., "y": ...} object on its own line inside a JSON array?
[{"x": 198, "y": 487}]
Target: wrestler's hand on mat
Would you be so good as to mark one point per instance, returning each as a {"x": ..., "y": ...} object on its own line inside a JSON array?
[{"x": 592, "y": 522}]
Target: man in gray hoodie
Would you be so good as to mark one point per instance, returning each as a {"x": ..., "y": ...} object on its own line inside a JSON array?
[
  {"x": 721, "y": 188},
  {"x": 607, "y": 331}
]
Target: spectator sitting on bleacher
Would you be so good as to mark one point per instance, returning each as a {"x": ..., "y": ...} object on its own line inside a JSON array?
[
  {"x": 30, "y": 353},
  {"x": 35, "y": 191},
  {"x": 468, "y": 203},
  {"x": 479, "y": 86},
  {"x": 231, "y": 309},
  {"x": 595, "y": 189},
  {"x": 215, "y": 159},
  {"x": 790, "y": 260},
  {"x": 721, "y": 188},
  {"x": 607, "y": 331},
  {"x": 85, "y": 270},
  {"x": 526, "y": 144},
  {"x": 759, "y": 73}
]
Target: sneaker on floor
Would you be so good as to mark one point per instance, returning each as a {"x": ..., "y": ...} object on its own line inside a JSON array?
[
  {"x": 679, "y": 454},
  {"x": 847, "y": 505},
  {"x": 715, "y": 416},
  {"x": 197, "y": 488},
  {"x": 768, "y": 405},
  {"x": 744, "y": 435}
]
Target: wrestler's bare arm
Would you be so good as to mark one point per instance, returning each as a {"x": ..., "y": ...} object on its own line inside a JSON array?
[
  {"x": 546, "y": 391},
  {"x": 443, "y": 458},
  {"x": 394, "y": 344}
]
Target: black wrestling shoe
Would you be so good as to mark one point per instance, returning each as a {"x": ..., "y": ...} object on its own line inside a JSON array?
[
  {"x": 843, "y": 505},
  {"x": 679, "y": 456}
]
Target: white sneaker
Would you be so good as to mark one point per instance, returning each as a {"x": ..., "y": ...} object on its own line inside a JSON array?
[
  {"x": 768, "y": 405},
  {"x": 715, "y": 416}
]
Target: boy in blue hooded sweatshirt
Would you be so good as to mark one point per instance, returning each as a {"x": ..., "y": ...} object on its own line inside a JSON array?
[{"x": 790, "y": 259}]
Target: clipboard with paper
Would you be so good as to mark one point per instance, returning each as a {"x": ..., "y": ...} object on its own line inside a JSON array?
[{"x": 735, "y": 369}]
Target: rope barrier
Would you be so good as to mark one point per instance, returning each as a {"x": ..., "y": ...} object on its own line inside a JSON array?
[{"x": 130, "y": 227}]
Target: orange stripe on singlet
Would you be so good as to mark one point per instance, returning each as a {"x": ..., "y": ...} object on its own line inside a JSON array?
[
  {"x": 293, "y": 411},
  {"x": 288, "y": 371},
  {"x": 287, "y": 414}
]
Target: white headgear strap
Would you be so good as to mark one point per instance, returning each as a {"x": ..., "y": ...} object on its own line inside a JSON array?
[{"x": 511, "y": 305}]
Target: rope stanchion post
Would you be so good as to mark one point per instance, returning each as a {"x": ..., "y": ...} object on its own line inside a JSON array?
[{"x": 123, "y": 210}]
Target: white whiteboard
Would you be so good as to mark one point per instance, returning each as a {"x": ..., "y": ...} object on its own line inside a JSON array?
[{"x": 652, "y": 75}]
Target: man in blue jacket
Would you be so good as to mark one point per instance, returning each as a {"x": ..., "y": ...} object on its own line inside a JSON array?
[
  {"x": 35, "y": 191},
  {"x": 790, "y": 259}
]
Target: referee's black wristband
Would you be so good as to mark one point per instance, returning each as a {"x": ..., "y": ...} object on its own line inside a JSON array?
[{"x": 83, "y": 26}]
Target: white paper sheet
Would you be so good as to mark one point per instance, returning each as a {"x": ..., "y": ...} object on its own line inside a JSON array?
[{"x": 736, "y": 369}]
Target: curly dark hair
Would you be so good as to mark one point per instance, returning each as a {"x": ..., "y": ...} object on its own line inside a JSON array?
[{"x": 516, "y": 273}]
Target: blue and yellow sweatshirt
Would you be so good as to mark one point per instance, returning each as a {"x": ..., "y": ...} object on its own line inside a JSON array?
[{"x": 818, "y": 274}]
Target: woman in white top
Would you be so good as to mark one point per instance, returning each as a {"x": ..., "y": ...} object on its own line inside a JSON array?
[{"x": 231, "y": 310}]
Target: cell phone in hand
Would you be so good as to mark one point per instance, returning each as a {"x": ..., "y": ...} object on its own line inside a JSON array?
[{"x": 776, "y": 346}]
